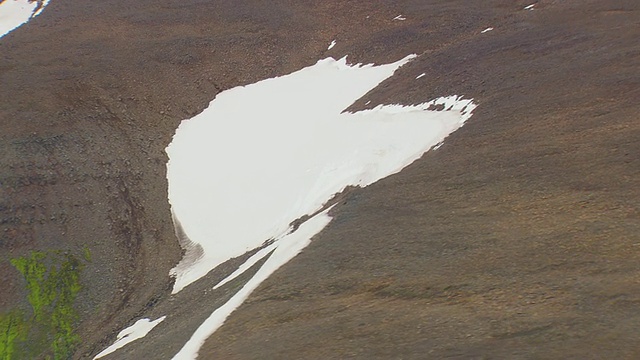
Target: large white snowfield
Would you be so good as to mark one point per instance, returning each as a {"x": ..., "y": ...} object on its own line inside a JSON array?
[{"x": 264, "y": 155}]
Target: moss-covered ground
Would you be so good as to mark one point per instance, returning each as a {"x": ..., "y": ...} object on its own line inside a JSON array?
[{"x": 47, "y": 327}]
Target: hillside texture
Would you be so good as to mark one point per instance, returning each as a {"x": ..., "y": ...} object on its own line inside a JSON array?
[{"x": 518, "y": 238}]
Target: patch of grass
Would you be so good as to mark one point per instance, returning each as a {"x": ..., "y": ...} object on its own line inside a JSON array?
[
  {"x": 12, "y": 330},
  {"x": 34, "y": 270},
  {"x": 53, "y": 283}
]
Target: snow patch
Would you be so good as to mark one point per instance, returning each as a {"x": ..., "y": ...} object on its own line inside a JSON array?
[
  {"x": 529, "y": 7},
  {"x": 400, "y": 17},
  {"x": 419, "y": 76},
  {"x": 14, "y": 13},
  {"x": 333, "y": 43},
  {"x": 486, "y": 30},
  {"x": 263, "y": 155},
  {"x": 134, "y": 332}
]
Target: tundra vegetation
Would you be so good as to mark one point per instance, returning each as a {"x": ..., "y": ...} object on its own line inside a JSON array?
[{"x": 46, "y": 328}]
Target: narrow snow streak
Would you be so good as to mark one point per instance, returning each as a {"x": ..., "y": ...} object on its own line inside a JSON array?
[
  {"x": 529, "y": 7},
  {"x": 247, "y": 264},
  {"x": 419, "y": 76},
  {"x": 14, "y": 13},
  {"x": 333, "y": 43},
  {"x": 399, "y": 17},
  {"x": 288, "y": 247},
  {"x": 134, "y": 332},
  {"x": 44, "y": 3},
  {"x": 486, "y": 30},
  {"x": 263, "y": 155}
]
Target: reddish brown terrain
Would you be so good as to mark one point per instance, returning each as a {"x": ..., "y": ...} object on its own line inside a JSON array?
[{"x": 518, "y": 239}]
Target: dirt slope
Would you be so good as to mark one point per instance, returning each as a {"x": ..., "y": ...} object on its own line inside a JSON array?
[{"x": 517, "y": 239}]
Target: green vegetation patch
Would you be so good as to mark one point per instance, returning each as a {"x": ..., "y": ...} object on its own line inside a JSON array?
[
  {"x": 53, "y": 283},
  {"x": 12, "y": 330}
]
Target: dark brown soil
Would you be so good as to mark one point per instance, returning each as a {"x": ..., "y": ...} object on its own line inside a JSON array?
[{"x": 516, "y": 239}]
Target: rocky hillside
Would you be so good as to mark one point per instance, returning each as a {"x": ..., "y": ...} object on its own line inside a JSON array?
[{"x": 516, "y": 239}]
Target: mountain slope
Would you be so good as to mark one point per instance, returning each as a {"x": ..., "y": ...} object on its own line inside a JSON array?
[
  {"x": 517, "y": 238},
  {"x": 514, "y": 240}
]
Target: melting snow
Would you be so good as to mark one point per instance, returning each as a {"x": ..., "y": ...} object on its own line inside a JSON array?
[
  {"x": 333, "y": 43},
  {"x": 134, "y": 332},
  {"x": 44, "y": 3},
  {"x": 263, "y": 155},
  {"x": 419, "y": 76},
  {"x": 486, "y": 30},
  {"x": 399, "y": 17},
  {"x": 287, "y": 247},
  {"x": 14, "y": 13},
  {"x": 247, "y": 264}
]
